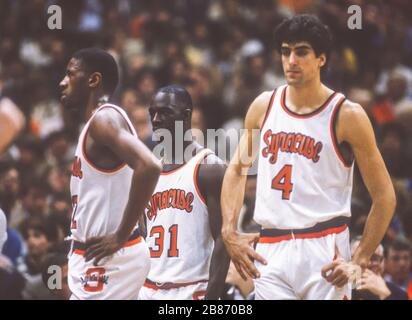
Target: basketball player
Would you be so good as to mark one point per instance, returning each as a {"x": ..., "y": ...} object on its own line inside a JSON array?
[
  {"x": 188, "y": 257},
  {"x": 308, "y": 138},
  {"x": 113, "y": 177}
]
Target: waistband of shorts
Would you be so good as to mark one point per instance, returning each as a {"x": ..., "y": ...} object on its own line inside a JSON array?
[
  {"x": 169, "y": 285},
  {"x": 319, "y": 230},
  {"x": 80, "y": 247}
]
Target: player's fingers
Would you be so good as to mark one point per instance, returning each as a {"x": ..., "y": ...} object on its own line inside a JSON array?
[
  {"x": 92, "y": 241},
  {"x": 339, "y": 278},
  {"x": 251, "y": 268},
  {"x": 341, "y": 282},
  {"x": 240, "y": 270},
  {"x": 99, "y": 257},
  {"x": 93, "y": 253},
  {"x": 328, "y": 269},
  {"x": 91, "y": 249},
  {"x": 257, "y": 257}
]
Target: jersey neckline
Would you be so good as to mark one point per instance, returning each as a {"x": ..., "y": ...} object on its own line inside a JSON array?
[{"x": 304, "y": 115}]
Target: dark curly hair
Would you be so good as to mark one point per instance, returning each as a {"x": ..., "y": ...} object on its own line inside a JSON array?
[{"x": 308, "y": 28}]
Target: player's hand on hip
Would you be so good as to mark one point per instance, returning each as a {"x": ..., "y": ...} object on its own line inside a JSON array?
[
  {"x": 240, "y": 249},
  {"x": 339, "y": 272},
  {"x": 101, "y": 247}
]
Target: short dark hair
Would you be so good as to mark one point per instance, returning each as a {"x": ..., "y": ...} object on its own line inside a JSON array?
[
  {"x": 39, "y": 224},
  {"x": 98, "y": 60},
  {"x": 398, "y": 245},
  {"x": 308, "y": 28},
  {"x": 183, "y": 98}
]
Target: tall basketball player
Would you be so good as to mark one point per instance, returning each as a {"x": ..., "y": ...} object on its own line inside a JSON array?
[
  {"x": 113, "y": 177},
  {"x": 188, "y": 257},
  {"x": 308, "y": 139}
]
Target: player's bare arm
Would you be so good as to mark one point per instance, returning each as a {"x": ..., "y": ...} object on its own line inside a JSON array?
[
  {"x": 12, "y": 121},
  {"x": 109, "y": 129},
  {"x": 240, "y": 246},
  {"x": 354, "y": 127},
  {"x": 210, "y": 183}
]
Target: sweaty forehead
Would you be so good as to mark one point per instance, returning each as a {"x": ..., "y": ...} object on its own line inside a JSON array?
[
  {"x": 165, "y": 99},
  {"x": 74, "y": 65}
]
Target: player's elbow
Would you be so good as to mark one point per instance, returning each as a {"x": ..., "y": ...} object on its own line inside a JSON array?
[
  {"x": 153, "y": 167},
  {"x": 391, "y": 200}
]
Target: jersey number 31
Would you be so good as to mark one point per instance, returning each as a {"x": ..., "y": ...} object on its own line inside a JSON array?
[{"x": 283, "y": 181}]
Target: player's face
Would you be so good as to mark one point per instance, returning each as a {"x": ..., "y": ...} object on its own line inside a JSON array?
[
  {"x": 300, "y": 63},
  {"x": 398, "y": 263},
  {"x": 164, "y": 112},
  {"x": 73, "y": 87}
]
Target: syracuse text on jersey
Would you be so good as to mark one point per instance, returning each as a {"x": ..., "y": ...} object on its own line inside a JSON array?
[
  {"x": 291, "y": 143},
  {"x": 175, "y": 198}
]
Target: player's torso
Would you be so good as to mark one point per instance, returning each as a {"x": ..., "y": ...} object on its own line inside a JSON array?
[
  {"x": 99, "y": 196},
  {"x": 301, "y": 178},
  {"x": 178, "y": 232}
]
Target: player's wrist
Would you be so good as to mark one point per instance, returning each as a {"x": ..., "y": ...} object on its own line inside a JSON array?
[{"x": 228, "y": 232}]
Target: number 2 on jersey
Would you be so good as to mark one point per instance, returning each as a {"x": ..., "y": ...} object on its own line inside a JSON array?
[
  {"x": 283, "y": 181},
  {"x": 158, "y": 233}
]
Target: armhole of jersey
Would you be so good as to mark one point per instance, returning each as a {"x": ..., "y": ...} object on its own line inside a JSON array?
[
  {"x": 127, "y": 122},
  {"x": 89, "y": 161},
  {"x": 334, "y": 119},
  {"x": 196, "y": 173},
  {"x": 269, "y": 108}
]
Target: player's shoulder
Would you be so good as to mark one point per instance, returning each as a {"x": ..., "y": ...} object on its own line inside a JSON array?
[
  {"x": 257, "y": 109},
  {"x": 351, "y": 112},
  {"x": 109, "y": 115},
  {"x": 211, "y": 166}
]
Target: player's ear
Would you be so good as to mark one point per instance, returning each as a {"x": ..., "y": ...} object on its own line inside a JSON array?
[
  {"x": 322, "y": 60},
  {"x": 95, "y": 79}
]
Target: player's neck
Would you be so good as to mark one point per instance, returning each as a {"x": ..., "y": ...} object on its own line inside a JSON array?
[
  {"x": 95, "y": 101},
  {"x": 179, "y": 151},
  {"x": 311, "y": 95}
]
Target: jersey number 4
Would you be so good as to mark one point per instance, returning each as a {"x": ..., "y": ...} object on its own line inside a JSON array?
[
  {"x": 283, "y": 181},
  {"x": 158, "y": 232}
]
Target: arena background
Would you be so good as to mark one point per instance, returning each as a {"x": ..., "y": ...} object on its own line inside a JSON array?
[{"x": 223, "y": 53}]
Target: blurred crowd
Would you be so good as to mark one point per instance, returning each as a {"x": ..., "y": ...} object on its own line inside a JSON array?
[{"x": 223, "y": 52}]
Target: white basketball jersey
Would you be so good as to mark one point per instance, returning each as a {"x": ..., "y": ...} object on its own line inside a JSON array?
[
  {"x": 99, "y": 196},
  {"x": 178, "y": 231},
  {"x": 302, "y": 178}
]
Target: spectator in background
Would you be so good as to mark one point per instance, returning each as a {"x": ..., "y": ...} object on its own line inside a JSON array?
[
  {"x": 39, "y": 235},
  {"x": 398, "y": 265},
  {"x": 9, "y": 192},
  {"x": 34, "y": 196},
  {"x": 391, "y": 147},
  {"x": 372, "y": 284},
  {"x": 59, "y": 148}
]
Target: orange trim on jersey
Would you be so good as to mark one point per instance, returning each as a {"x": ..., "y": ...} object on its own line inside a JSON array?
[
  {"x": 206, "y": 153},
  {"x": 167, "y": 286},
  {"x": 127, "y": 244},
  {"x": 269, "y": 108},
  {"x": 89, "y": 162},
  {"x": 303, "y": 236},
  {"x": 332, "y": 133},
  {"x": 305, "y": 115}
]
